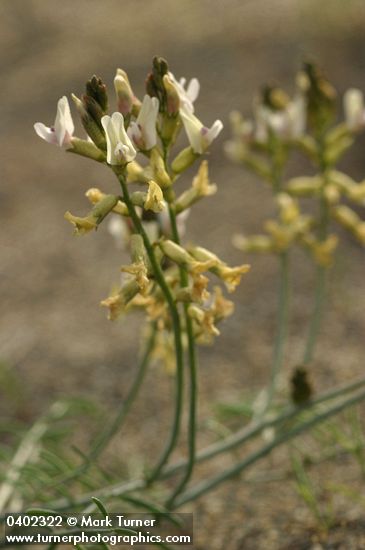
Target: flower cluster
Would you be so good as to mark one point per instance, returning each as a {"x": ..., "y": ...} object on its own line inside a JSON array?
[
  {"x": 148, "y": 217},
  {"x": 306, "y": 123}
]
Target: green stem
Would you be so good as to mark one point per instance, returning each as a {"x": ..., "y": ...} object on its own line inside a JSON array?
[
  {"x": 314, "y": 326},
  {"x": 213, "y": 482},
  {"x": 109, "y": 433},
  {"x": 284, "y": 291},
  {"x": 159, "y": 276},
  {"x": 193, "y": 377},
  {"x": 321, "y": 274},
  {"x": 215, "y": 449},
  {"x": 282, "y": 328}
]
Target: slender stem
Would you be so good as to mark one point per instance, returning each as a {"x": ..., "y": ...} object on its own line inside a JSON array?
[
  {"x": 213, "y": 482},
  {"x": 284, "y": 290},
  {"x": 282, "y": 328},
  {"x": 159, "y": 276},
  {"x": 215, "y": 449},
  {"x": 315, "y": 322},
  {"x": 114, "y": 427},
  {"x": 321, "y": 273},
  {"x": 193, "y": 377}
]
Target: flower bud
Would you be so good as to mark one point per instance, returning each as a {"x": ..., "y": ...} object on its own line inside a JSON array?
[
  {"x": 331, "y": 194},
  {"x": 91, "y": 127},
  {"x": 95, "y": 196},
  {"x": 275, "y": 98},
  {"x": 96, "y": 89},
  {"x": 254, "y": 243},
  {"x": 86, "y": 149},
  {"x": 322, "y": 251},
  {"x": 158, "y": 169},
  {"x": 321, "y": 97},
  {"x": 342, "y": 181},
  {"x": 357, "y": 193},
  {"x": 124, "y": 92},
  {"x": 350, "y": 220},
  {"x": 353, "y": 104},
  {"x": 94, "y": 217},
  {"x": 337, "y": 149},
  {"x": 135, "y": 173},
  {"x": 172, "y": 96},
  {"x": 93, "y": 109},
  {"x": 184, "y": 159},
  {"x": 179, "y": 255},
  {"x": 289, "y": 209},
  {"x": 304, "y": 186},
  {"x": 154, "y": 83}
]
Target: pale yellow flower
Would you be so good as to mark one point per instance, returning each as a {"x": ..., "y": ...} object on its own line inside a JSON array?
[
  {"x": 118, "y": 302},
  {"x": 139, "y": 271},
  {"x": 82, "y": 225},
  {"x": 154, "y": 200}
]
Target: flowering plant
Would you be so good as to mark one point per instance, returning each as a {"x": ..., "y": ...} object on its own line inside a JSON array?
[{"x": 171, "y": 281}]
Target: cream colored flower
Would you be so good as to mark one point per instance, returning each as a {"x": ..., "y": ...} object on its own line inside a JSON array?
[
  {"x": 124, "y": 92},
  {"x": 61, "y": 133},
  {"x": 322, "y": 251},
  {"x": 201, "y": 187},
  {"x": 230, "y": 275},
  {"x": 288, "y": 122},
  {"x": 353, "y": 104},
  {"x": 143, "y": 130},
  {"x": 82, "y": 225},
  {"x": 154, "y": 200},
  {"x": 120, "y": 149},
  {"x": 189, "y": 95},
  {"x": 139, "y": 271},
  {"x": 99, "y": 211},
  {"x": 200, "y": 137},
  {"x": 117, "y": 303}
]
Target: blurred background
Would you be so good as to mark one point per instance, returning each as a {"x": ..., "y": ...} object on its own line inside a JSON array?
[{"x": 55, "y": 339}]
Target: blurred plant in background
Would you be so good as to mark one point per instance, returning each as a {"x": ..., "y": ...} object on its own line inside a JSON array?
[
  {"x": 308, "y": 123},
  {"x": 171, "y": 282}
]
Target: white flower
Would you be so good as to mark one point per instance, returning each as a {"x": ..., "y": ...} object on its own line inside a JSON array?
[
  {"x": 124, "y": 92},
  {"x": 200, "y": 137},
  {"x": 61, "y": 133},
  {"x": 120, "y": 149},
  {"x": 297, "y": 116},
  {"x": 143, "y": 131},
  {"x": 188, "y": 96},
  {"x": 353, "y": 104},
  {"x": 287, "y": 123}
]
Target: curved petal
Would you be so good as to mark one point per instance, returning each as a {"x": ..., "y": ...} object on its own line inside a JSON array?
[
  {"x": 64, "y": 126},
  {"x": 193, "y": 89},
  {"x": 45, "y": 133},
  {"x": 193, "y": 128}
]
